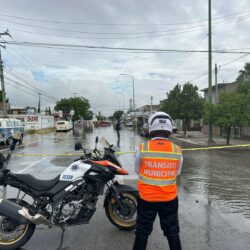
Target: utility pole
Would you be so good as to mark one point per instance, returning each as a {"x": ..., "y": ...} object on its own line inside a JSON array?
[
  {"x": 133, "y": 93},
  {"x": 151, "y": 104},
  {"x": 3, "y": 86},
  {"x": 210, "y": 128},
  {"x": 6, "y": 33},
  {"x": 216, "y": 84},
  {"x": 75, "y": 94},
  {"x": 133, "y": 82},
  {"x": 123, "y": 103},
  {"x": 39, "y": 104}
]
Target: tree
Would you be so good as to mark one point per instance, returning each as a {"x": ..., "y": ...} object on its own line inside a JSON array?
[
  {"x": 117, "y": 115},
  {"x": 244, "y": 75},
  {"x": 89, "y": 115},
  {"x": 80, "y": 105},
  {"x": 233, "y": 110},
  {"x": 184, "y": 103},
  {"x": 100, "y": 117},
  {"x": 209, "y": 113},
  {"x": 1, "y": 97}
]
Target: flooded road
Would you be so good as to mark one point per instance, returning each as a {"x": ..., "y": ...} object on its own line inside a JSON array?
[{"x": 214, "y": 193}]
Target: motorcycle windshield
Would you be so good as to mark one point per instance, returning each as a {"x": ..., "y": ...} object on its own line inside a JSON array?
[{"x": 104, "y": 142}]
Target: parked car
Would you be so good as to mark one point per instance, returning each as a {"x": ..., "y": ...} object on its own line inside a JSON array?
[
  {"x": 63, "y": 126},
  {"x": 144, "y": 130},
  {"x": 8, "y": 126}
]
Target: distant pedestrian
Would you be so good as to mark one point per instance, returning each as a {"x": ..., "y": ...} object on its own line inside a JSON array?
[
  {"x": 158, "y": 162},
  {"x": 118, "y": 128}
]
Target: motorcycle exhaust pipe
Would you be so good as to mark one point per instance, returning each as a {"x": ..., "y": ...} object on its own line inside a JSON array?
[
  {"x": 20, "y": 214},
  {"x": 11, "y": 210},
  {"x": 36, "y": 219}
]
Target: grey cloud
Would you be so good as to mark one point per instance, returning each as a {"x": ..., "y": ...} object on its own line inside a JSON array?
[{"x": 95, "y": 74}]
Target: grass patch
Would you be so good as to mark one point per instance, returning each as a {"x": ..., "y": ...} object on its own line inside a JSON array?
[
  {"x": 30, "y": 131},
  {"x": 40, "y": 131}
]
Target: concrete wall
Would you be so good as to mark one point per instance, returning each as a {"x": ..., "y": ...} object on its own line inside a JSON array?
[
  {"x": 36, "y": 121},
  {"x": 245, "y": 132},
  {"x": 237, "y": 132},
  {"x": 216, "y": 130}
]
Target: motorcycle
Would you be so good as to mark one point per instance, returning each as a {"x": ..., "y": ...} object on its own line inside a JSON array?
[{"x": 67, "y": 200}]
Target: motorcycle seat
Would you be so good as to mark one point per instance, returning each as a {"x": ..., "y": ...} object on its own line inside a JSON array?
[{"x": 37, "y": 184}]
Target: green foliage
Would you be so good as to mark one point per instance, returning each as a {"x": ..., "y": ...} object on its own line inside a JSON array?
[
  {"x": 233, "y": 110},
  {"x": 209, "y": 113},
  {"x": 244, "y": 75},
  {"x": 184, "y": 103},
  {"x": 1, "y": 97},
  {"x": 79, "y": 104},
  {"x": 100, "y": 117},
  {"x": 117, "y": 115},
  {"x": 89, "y": 115}
]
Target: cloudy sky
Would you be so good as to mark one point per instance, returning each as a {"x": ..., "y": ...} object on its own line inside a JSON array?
[{"x": 96, "y": 73}]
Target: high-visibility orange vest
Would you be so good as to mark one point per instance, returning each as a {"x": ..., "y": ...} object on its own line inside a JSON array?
[{"x": 160, "y": 160}]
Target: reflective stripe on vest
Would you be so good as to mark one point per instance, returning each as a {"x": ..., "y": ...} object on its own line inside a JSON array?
[
  {"x": 156, "y": 182},
  {"x": 163, "y": 155},
  {"x": 159, "y": 180}
]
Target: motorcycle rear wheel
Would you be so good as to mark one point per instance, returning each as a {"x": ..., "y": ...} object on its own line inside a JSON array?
[
  {"x": 123, "y": 218},
  {"x": 12, "y": 235}
]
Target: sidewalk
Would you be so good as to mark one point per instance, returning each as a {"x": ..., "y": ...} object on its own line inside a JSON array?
[{"x": 198, "y": 138}]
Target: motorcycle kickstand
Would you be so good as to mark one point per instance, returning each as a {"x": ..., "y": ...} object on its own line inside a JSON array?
[{"x": 61, "y": 241}]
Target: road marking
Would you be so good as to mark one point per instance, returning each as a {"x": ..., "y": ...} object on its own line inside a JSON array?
[
  {"x": 216, "y": 147},
  {"x": 132, "y": 152},
  {"x": 44, "y": 155},
  {"x": 30, "y": 166}
]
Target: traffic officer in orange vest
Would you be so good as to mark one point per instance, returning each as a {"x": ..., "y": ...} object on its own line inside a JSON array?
[{"x": 158, "y": 163}]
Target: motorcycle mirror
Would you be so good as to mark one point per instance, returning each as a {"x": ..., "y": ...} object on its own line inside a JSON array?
[
  {"x": 96, "y": 140},
  {"x": 78, "y": 146}
]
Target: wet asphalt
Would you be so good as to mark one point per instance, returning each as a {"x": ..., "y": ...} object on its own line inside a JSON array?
[{"x": 214, "y": 195}]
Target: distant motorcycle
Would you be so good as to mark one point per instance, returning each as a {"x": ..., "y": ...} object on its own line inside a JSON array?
[{"x": 67, "y": 200}]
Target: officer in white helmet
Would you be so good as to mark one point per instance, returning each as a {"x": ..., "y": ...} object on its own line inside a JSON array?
[{"x": 158, "y": 163}]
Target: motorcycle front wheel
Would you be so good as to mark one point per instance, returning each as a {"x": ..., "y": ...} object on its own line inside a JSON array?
[{"x": 122, "y": 215}]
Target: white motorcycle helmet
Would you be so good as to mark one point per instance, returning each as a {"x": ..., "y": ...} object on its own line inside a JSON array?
[{"x": 160, "y": 124}]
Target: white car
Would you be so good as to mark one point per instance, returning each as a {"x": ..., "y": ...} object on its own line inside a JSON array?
[{"x": 63, "y": 126}]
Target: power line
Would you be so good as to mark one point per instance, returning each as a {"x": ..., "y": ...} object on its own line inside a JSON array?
[
  {"x": 23, "y": 90},
  {"x": 24, "y": 81},
  {"x": 64, "y": 46},
  {"x": 181, "y": 30},
  {"x": 187, "y": 55},
  {"x": 27, "y": 87},
  {"x": 225, "y": 64},
  {"x": 105, "y": 38},
  {"x": 234, "y": 60},
  {"x": 120, "y": 24},
  {"x": 164, "y": 33}
]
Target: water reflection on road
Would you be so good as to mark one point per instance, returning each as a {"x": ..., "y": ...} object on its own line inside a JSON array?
[{"x": 219, "y": 176}]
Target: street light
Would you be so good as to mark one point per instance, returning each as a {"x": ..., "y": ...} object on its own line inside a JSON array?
[
  {"x": 133, "y": 82},
  {"x": 122, "y": 94}
]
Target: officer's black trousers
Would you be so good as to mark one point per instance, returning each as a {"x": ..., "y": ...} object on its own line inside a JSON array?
[{"x": 168, "y": 214}]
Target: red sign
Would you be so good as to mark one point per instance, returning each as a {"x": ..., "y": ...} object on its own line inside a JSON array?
[{"x": 32, "y": 119}]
